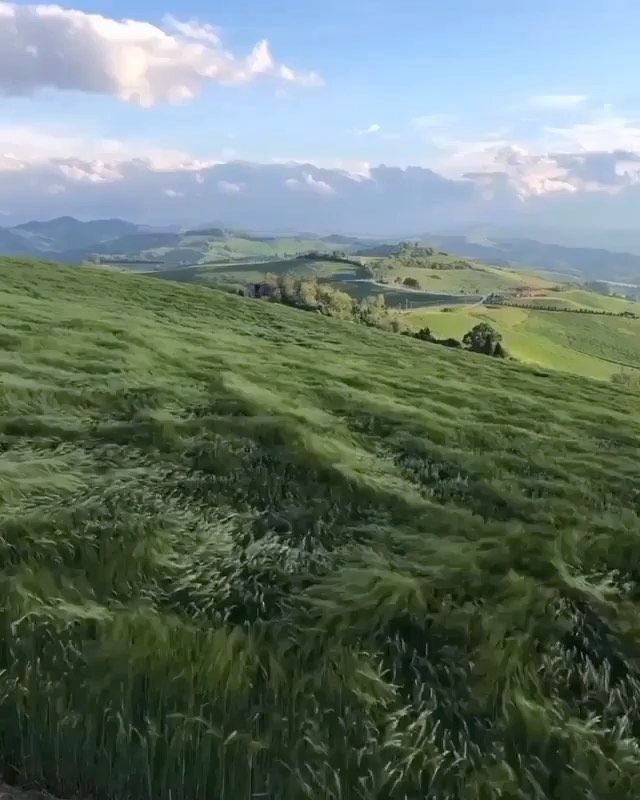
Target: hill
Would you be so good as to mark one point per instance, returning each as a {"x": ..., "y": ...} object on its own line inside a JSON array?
[
  {"x": 591, "y": 345},
  {"x": 251, "y": 551},
  {"x": 581, "y": 262},
  {"x": 585, "y": 344},
  {"x": 75, "y": 241},
  {"x": 66, "y": 233},
  {"x": 12, "y": 243}
]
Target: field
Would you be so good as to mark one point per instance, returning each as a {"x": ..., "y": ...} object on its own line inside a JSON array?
[
  {"x": 225, "y": 247},
  {"x": 339, "y": 275},
  {"x": 248, "y": 551},
  {"x": 592, "y": 346},
  {"x": 479, "y": 279},
  {"x": 584, "y": 344},
  {"x": 255, "y": 271},
  {"x": 573, "y": 299}
]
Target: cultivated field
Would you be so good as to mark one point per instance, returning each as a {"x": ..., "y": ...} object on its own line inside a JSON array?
[
  {"x": 585, "y": 344},
  {"x": 248, "y": 551}
]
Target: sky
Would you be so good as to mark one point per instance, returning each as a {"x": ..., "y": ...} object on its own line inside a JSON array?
[{"x": 525, "y": 101}]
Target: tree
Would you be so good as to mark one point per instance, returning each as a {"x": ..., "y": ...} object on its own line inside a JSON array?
[
  {"x": 412, "y": 283},
  {"x": 425, "y": 335},
  {"x": 482, "y": 338},
  {"x": 499, "y": 351}
]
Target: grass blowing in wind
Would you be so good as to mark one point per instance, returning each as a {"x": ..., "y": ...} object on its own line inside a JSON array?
[{"x": 249, "y": 551}]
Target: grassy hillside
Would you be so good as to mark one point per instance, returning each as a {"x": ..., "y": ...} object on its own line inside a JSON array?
[
  {"x": 584, "y": 344},
  {"x": 255, "y": 271},
  {"x": 251, "y": 552},
  {"x": 175, "y": 250},
  {"x": 581, "y": 298},
  {"x": 478, "y": 278}
]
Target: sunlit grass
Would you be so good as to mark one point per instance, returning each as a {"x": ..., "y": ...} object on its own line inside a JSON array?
[{"x": 248, "y": 551}]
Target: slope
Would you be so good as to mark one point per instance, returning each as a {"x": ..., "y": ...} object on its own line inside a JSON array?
[
  {"x": 249, "y": 551},
  {"x": 585, "y": 344}
]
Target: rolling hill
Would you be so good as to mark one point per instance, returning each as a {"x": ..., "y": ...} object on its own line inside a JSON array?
[
  {"x": 580, "y": 262},
  {"x": 584, "y": 344},
  {"x": 74, "y": 241},
  {"x": 590, "y": 345},
  {"x": 248, "y": 551},
  {"x": 67, "y": 233}
]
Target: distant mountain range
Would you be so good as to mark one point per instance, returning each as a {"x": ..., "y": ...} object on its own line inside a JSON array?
[
  {"x": 74, "y": 241},
  {"x": 57, "y": 237}
]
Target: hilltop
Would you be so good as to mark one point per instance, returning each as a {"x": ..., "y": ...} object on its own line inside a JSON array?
[{"x": 249, "y": 550}]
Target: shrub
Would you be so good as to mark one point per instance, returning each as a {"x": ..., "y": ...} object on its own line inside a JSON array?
[
  {"x": 411, "y": 283},
  {"x": 482, "y": 338},
  {"x": 425, "y": 335}
]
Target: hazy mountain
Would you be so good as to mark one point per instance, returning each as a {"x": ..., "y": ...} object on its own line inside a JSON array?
[
  {"x": 584, "y": 262},
  {"x": 12, "y": 244},
  {"x": 65, "y": 233}
]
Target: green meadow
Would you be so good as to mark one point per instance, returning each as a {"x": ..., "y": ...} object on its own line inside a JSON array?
[
  {"x": 585, "y": 344},
  {"x": 249, "y": 551}
]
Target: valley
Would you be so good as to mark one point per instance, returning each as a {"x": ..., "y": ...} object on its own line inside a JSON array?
[{"x": 446, "y": 292}]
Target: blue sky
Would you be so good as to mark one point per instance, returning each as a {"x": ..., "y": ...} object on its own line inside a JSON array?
[
  {"x": 473, "y": 63},
  {"x": 540, "y": 97}
]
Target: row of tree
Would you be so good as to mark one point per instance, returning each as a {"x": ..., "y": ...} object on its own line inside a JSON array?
[
  {"x": 498, "y": 301},
  {"x": 311, "y": 295}
]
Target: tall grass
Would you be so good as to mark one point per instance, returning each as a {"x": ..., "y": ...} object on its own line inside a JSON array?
[{"x": 248, "y": 552}]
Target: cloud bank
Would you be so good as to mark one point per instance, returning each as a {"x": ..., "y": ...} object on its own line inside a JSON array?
[
  {"x": 47, "y": 46},
  {"x": 567, "y": 177}
]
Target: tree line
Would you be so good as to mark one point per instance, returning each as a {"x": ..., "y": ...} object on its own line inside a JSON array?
[
  {"x": 310, "y": 295},
  {"x": 494, "y": 301}
]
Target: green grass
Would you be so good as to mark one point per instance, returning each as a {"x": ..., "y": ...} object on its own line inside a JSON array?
[
  {"x": 584, "y": 344},
  {"x": 235, "y": 248},
  {"x": 193, "y": 249},
  {"x": 481, "y": 278},
  {"x": 254, "y": 272},
  {"x": 575, "y": 299},
  {"x": 250, "y": 551}
]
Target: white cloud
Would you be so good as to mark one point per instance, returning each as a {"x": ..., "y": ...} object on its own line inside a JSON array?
[
  {"x": 94, "y": 172},
  {"x": 228, "y": 187},
  {"x": 42, "y": 175},
  {"x": 600, "y": 133},
  {"x": 22, "y": 144},
  {"x": 556, "y": 102},
  {"x": 63, "y": 48},
  {"x": 309, "y": 183},
  {"x": 193, "y": 29},
  {"x": 512, "y": 180},
  {"x": 375, "y": 128}
]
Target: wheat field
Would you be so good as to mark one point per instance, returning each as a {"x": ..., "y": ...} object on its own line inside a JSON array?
[{"x": 248, "y": 551}]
